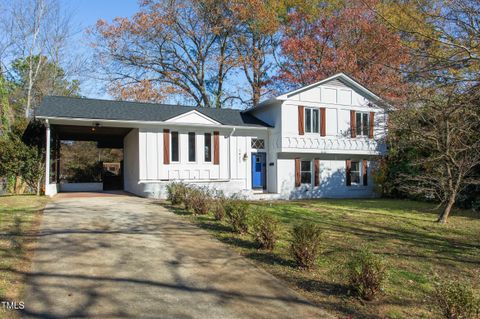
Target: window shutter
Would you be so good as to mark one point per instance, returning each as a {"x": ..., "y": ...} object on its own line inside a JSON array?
[
  {"x": 166, "y": 146},
  {"x": 301, "y": 120},
  {"x": 323, "y": 123},
  {"x": 216, "y": 148},
  {"x": 348, "y": 170},
  {"x": 353, "y": 125},
  {"x": 372, "y": 118},
  {"x": 364, "y": 171},
  {"x": 297, "y": 172},
  {"x": 316, "y": 165}
]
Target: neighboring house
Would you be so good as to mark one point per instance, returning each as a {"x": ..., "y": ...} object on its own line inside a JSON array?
[{"x": 318, "y": 141}]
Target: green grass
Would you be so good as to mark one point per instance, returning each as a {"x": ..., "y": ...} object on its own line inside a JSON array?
[
  {"x": 19, "y": 218},
  {"x": 403, "y": 232}
]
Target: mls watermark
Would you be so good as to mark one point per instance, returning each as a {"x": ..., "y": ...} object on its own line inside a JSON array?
[{"x": 12, "y": 305}]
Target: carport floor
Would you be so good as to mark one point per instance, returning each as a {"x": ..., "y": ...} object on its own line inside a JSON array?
[{"x": 128, "y": 257}]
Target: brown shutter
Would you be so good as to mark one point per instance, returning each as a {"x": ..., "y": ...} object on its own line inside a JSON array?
[
  {"x": 216, "y": 148},
  {"x": 297, "y": 172},
  {"x": 323, "y": 122},
  {"x": 348, "y": 170},
  {"x": 372, "y": 118},
  {"x": 353, "y": 125},
  {"x": 301, "y": 120},
  {"x": 364, "y": 171},
  {"x": 166, "y": 146},
  {"x": 316, "y": 166}
]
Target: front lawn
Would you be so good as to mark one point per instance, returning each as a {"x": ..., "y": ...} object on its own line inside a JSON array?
[
  {"x": 404, "y": 232},
  {"x": 19, "y": 218}
]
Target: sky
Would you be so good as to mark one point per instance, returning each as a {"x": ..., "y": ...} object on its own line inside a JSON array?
[{"x": 84, "y": 14}]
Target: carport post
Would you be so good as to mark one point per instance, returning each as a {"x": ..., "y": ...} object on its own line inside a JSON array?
[{"x": 47, "y": 158}]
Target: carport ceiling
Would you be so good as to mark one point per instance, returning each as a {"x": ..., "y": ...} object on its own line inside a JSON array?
[{"x": 106, "y": 137}]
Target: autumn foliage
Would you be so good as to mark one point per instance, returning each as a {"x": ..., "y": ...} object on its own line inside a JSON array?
[{"x": 347, "y": 38}]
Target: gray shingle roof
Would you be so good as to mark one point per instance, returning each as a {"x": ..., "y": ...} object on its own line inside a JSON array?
[{"x": 69, "y": 107}]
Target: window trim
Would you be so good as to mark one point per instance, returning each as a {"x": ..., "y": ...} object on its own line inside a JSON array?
[
  {"x": 171, "y": 146},
  {"x": 312, "y": 110},
  {"x": 210, "y": 147},
  {"x": 194, "y": 147},
  {"x": 310, "y": 171},
  {"x": 363, "y": 115}
]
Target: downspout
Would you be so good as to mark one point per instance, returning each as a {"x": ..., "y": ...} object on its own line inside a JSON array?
[{"x": 230, "y": 154}]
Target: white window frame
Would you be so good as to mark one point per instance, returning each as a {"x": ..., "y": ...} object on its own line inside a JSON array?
[
  {"x": 309, "y": 171},
  {"x": 363, "y": 115},
  {"x": 359, "y": 173},
  {"x": 312, "y": 110},
  {"x": 178, "y": 147}
]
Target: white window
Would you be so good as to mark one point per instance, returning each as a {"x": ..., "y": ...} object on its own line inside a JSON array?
[
  {"x": 355, "y": 172},
  {"x": 312, "y": 120},
  {"x": 306, "y": 172},
  {"x": 258, "y": 143},
  {"x": 362, "y": 124},
  {"x": 191, "y": 147},
  {"x": 174, "y": 149}
]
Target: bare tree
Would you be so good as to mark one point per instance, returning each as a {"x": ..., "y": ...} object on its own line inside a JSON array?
[
  {"x": 39, "y": 31},
  {"x": 441, "y": 133}
]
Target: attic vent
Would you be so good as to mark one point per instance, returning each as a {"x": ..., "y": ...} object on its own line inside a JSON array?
[{"x": 336, "y": 82}]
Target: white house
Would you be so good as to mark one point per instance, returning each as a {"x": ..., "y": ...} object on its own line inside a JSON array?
[{"x": 318, "y": 141}]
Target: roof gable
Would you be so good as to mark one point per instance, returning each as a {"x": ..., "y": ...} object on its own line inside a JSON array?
[{"x": 193, "y": 117}]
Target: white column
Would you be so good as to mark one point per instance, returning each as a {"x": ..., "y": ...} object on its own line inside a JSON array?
[{"x": 47, "y": 159}]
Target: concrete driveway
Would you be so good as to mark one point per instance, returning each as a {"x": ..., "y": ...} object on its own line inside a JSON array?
[{"x": 128, "y": 257}]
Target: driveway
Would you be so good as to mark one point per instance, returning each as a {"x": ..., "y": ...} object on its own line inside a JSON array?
[{"x": 128, "y": 257}]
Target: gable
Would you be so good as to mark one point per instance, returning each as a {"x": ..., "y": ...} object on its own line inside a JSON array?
[{"x": 193, "y": 117}]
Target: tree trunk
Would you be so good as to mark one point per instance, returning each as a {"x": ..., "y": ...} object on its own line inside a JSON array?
[{"x": 446, "y": 211}]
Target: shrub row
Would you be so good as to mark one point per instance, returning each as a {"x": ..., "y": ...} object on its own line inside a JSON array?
[{"x": 365, "y": 271}]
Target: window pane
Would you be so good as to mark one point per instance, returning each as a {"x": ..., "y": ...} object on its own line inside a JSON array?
[
  {"x": 174, "y": 149},
  {"x": 355, "y": 166},
  {"x": 191, "y": 147},
  {"x": 355, "y": 177},
  {"x": 306, "y": 178},
  {"x": 305, "y": 166},
  {"x": 257, "y": 143},
  {"x": 208, "y": 147},
  {"x": 359, "y": 123},
  {"x": 316, "y": 121},
  {"x": 365, "y": 124},
  {"x": 308, "y": 120}
]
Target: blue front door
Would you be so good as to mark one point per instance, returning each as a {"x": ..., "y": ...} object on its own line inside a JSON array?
[{"x": 258, "y": 170}]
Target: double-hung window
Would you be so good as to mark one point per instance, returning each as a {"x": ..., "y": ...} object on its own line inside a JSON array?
[
  {"x": 208, "y": 147},
  {"x": 362, "y": 124},
  {"x": 306, "y": 172},
  {"x": 191, "y": 147},
  {"x": 312, "y": 120},
  {"x": 174, "y": 147},
  {"x": 355, "y": 172}
]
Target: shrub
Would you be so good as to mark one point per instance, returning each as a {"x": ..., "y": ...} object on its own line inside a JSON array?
[
  {"x": 176, "y": 193},
  {"x": 199, "y": 201},
  {"x": 305, "y": 246},
  {"x": 456, "y": 300},
  {"x": 265, "y": 227},
  {"x": 218, "y": 208},
  {"x": 237, "y": 214},
  {"x": 366, "y": 273}
]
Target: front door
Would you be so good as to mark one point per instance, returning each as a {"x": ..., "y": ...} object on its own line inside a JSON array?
[{"x": 258, "y": 170}]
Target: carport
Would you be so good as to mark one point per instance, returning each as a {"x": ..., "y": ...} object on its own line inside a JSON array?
[{"x": 105, "y": 136}]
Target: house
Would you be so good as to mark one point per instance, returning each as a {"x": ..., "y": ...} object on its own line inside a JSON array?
[{"x": 318, "y": 141}]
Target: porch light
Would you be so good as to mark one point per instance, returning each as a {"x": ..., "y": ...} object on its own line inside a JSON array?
[{"x": 245, "y": 156}]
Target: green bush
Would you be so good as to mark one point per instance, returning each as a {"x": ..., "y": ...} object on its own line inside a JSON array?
[
  {"x": 265, "y": 228},
  {"x": 200, "y": 201},
  {"x": 176, "y": 192},
  {"x": 305, "y": 247},
  {"x": 366, "y": 273},
  {"x": 237, "y": 214},
  {"x": 456, "y": 300}
]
